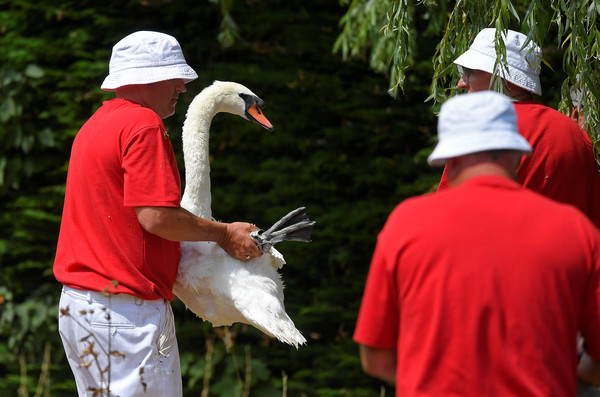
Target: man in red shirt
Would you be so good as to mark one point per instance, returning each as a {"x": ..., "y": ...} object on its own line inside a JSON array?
[
  {"x": 562, "y": 165},
  {"x": 121, "y": 228},
  {"x": 480, "y": 290}
]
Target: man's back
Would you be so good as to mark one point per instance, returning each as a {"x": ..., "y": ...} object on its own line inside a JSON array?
[
  {"x": 562, "y": 164},
  {"x": 488, "y": 284}
]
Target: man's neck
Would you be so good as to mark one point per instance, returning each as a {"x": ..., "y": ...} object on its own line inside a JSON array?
[
  {"x": 482, "y": 169},
  {"x": 461, "y": 169},
  {"x": 517, "y": 93}
]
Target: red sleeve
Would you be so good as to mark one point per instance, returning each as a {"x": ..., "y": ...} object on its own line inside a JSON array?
[
  {"x": 151, "y": 177},
  {"x": 377, "y": 324}
]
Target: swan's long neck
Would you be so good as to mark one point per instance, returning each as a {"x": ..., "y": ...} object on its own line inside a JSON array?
[{"x": 195, "y": 136}]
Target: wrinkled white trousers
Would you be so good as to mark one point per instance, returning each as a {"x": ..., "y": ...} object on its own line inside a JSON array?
[{"x": 138, "y": 334}]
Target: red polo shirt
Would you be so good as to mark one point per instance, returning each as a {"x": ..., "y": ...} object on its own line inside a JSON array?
[
  {"x": 481, "y": 290},
  {"x": 121, "y": 158}
]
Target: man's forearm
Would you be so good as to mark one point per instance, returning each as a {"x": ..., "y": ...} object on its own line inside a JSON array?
[
  {"x": 589, "y": 370},
  {"x": 178, "y": 224},
  {"x": 379, "y": 363}
]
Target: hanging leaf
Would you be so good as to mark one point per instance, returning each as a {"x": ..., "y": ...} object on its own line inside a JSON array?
[{"x": 34, "y": 71}]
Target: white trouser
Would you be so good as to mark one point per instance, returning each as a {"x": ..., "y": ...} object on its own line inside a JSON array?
[{"x": 140, "y": 333}]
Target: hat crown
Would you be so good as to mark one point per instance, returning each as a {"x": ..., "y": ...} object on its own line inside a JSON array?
[
  {"x": 527, "y": 59},
  {"x": 145, "y": 49},
  {"x": 146, "y": 57},
  {"x": 477, "y": 113}
]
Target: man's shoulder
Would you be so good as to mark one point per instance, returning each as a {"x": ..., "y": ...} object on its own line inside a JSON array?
[
  {"x": 129, "y": 116},
  {"x": 129, "y": 110},
  {"x": 416, "y": 206},
  {"x": 537, "y": 109}
]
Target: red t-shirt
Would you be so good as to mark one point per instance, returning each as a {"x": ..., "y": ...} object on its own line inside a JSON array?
[
  {"x": 481, "y": 290},
  {"x": 562, "y": 164},
  {"x": 121, "y": 158}
]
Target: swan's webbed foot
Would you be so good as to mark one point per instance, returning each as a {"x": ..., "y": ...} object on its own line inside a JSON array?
[{"x": 295, "y": 226}]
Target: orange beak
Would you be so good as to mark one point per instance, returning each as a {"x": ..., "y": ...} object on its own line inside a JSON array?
[{"x": 255, "y": 114}]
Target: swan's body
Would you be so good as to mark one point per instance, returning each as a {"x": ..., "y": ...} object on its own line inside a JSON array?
[{"x": 212, "y": 284}]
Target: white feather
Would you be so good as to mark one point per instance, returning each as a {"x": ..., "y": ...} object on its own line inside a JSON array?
[{"x": 213, "y": 285}]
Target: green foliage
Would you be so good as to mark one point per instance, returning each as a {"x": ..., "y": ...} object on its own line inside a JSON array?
[
  {"x": 29, "y": 331},
  {"x": 45, "y": 78},
  {"x": 342, "y": 147},
  {"x": 577, "y": 25},
  {"x": 18, "y": 133},
  {"x": 567, "y": 26}
]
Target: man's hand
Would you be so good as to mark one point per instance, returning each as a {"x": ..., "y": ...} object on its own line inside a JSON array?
[{"x": 238, "y": 243}]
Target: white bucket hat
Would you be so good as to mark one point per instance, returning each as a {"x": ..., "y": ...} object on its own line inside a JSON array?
[
  {"x": 476, "y": 122},
  {"x": 523, "y": 63},
  {"x": 146, "y": 57}
]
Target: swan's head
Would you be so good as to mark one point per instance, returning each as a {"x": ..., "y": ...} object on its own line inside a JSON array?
[
  {"x": 236, "y": 99},
  {"x": 253, "y": 110}
]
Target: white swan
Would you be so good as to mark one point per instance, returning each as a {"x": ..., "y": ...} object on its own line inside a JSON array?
[{"x": 212, "y": 284}]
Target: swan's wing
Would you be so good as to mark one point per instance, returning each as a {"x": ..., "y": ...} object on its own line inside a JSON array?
[
  {"x": 223, "y": 290},
  {"x": 258, "y": 295},
  {"x": 203, "y": 280}
]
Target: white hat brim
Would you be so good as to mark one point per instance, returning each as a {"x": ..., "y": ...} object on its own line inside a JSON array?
[
  {"x": 148, "y": 75},
  {"x": 468, "y": 143}
]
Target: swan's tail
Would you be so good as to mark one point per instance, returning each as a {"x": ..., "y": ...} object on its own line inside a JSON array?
[
  {"x": 285, "y": 332},
  {"x": 278, "y": 325}
]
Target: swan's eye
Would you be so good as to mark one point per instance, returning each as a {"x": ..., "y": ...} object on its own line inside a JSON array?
[
  {"x": 250, "y": 100},
  {"x": 247, "y": 100}
]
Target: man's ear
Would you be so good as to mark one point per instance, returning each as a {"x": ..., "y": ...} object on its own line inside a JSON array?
[{"x": 575, "y": 114}]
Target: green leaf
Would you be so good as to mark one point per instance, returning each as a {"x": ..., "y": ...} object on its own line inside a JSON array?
[
  {"x": 3, "y": 162},
  {"x": 8, "y": 109},
  {"x": 27, "y": 143},
  {"x": 34, "y": 71},
  {"x": 45, "y": 137}
]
